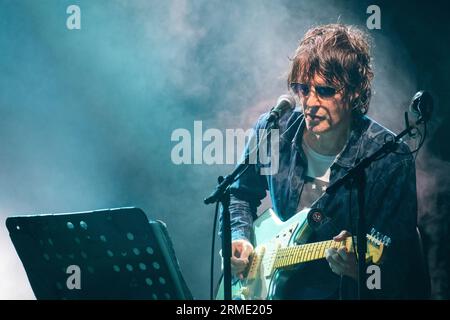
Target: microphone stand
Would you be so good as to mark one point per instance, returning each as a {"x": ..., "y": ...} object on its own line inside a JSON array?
[
  {"x": 356, "y": 175},
  {"x": 221, "y": 194}
]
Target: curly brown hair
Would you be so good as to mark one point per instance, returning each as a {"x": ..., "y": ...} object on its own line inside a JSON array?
[{"x": 340, "y": 54}]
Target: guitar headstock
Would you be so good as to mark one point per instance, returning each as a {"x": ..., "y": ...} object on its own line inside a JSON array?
[{"x": 376, "y": 244}]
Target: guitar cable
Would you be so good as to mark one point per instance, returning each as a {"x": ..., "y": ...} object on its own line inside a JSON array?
[{"x": 213, "y": 245}]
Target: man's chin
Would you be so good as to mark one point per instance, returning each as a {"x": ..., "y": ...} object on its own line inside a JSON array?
[{"x": 317, "y": 128}]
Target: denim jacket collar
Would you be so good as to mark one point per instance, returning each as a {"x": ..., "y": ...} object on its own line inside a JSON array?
[{"x": 347, "y": 158}]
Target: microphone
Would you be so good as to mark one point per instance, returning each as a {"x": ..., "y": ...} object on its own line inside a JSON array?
[
  {"x": 284, "y": 103},
  {"x": 422, "y": 105}
]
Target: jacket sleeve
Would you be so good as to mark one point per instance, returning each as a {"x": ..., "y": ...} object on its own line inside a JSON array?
[
  {"x": 392, "y": 211},
  {"x": 247, "y": 193}
]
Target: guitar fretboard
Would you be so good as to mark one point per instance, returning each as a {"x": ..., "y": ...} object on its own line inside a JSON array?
[{"x": 303, "y": 253}]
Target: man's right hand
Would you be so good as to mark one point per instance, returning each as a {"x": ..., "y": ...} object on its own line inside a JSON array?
[{"x": 240, "y": 252}]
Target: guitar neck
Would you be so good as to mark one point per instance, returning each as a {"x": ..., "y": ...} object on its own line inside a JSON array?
[{"x": 290, "y": 256}]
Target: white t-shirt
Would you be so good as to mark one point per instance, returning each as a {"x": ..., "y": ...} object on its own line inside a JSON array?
[
  {"x": 318, "y": 164},
  {"x": 317, "y": 176}
]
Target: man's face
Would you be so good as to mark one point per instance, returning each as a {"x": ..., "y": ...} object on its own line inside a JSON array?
[{"x": 323, "y": 114}]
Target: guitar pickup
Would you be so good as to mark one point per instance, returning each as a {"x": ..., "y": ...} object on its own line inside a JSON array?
[{"x": 255, "y": 262}]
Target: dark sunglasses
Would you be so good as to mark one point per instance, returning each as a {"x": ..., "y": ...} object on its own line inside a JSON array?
[{"x": 322, "y": 91}]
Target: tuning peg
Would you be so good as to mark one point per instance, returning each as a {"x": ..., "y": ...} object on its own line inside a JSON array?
[
  {"x": 377, "y": 236},
  {"x": 372, "y": 231}
]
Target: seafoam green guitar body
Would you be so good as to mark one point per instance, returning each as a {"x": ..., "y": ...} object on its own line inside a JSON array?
[{"x": 269, "y": 234}]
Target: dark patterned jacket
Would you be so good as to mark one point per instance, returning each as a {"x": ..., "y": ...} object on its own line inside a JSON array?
[{"x": 390, "y": 201}]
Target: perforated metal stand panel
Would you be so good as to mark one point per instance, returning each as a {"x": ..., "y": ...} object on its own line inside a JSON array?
[{"x": 119, "y": 252}]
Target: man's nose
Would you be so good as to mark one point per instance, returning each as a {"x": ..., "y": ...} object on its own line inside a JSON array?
[{"x": 312, "y": 99}]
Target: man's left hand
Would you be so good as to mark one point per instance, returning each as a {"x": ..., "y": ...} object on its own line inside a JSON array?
[{"x": 342, "y": 262}]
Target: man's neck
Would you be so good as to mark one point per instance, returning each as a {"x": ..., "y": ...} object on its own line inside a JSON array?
[{"x": 329, "y": 143}]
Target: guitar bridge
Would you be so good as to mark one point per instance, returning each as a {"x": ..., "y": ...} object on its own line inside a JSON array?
[{"x": 255, "y": 263}]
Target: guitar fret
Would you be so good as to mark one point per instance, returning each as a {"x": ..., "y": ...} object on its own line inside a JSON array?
[
  {"x": 304, "y": 252},
  {"x": 308, "y": 256},
  {"x": 314, "y": 247},
  {"x": 277, "y": 259},
  {"x": 311, "y": 256},
  {"x": 297, "y": 256},
  {"x": 301, "y": 255},
  {"x": 325, "y": 247},
  {"x": 317, "y": 251},
  {"x": 311, "y": 251},
  {"x": 281, "y": 260},
  {"x": 305, "y": 255},
  {"x": 322, "y": 249},
  {"x": 331, "y": 243},
  {"x": 288, "y": 259}
]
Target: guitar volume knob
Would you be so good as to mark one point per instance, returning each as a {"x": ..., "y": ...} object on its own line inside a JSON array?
[{"x": 245, "y": 291}]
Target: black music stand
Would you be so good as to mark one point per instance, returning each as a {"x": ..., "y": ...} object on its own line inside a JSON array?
[{"x": 120, "y": 254}]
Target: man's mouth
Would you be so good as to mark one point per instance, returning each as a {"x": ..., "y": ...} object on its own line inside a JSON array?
[{"x": 314, "y": 117}]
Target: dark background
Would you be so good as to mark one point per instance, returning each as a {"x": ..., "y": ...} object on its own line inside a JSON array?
[{"x": 424, "y": 32}]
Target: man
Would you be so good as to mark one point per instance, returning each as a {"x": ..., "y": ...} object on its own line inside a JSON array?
[{"x": 331, "y": 76}]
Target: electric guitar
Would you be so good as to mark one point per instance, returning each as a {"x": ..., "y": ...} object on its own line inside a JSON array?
[{"x": 281, "y": 245}]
